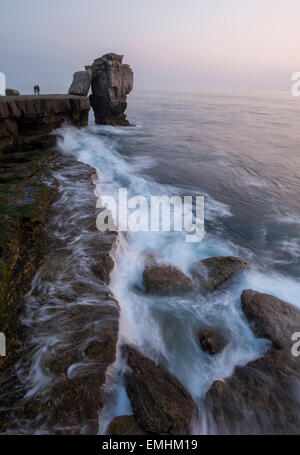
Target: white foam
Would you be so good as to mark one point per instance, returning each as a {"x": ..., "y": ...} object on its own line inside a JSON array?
[{"x": 164, "y": 327}]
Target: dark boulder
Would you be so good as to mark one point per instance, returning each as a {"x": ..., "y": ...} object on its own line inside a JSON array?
[
  {"x": 271, "y": 318},
  {"x": 213, "y": 272},
  {"x": 211, "y": 341},
  {"x": 159, "y": 401},
  {"x": 165, "y": 279},
  {"x": 125, "y": 425},
  {"x": 261, "y": 397},
  {"x": 12, "y": 92}
]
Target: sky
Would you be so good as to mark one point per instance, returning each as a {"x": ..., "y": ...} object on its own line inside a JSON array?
[{"x": 190, "y": 45}]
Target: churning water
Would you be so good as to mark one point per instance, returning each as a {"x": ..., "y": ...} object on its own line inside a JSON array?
[{"x": 243, "y": 154}]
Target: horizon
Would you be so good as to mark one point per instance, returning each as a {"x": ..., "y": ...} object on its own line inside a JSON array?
[
  {"x": 158, "y": 90},
  {"x": 194, "y": 47}
]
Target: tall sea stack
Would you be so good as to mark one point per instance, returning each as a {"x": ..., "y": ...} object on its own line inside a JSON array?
[{"x": 111, "y": 81}]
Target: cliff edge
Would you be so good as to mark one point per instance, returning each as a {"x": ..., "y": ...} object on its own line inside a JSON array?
[{"x": 26, "y": 115}]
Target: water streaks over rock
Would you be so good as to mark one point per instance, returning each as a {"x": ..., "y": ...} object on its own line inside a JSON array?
[
  {"x": 71, "y": 319},
  {"x": 211, "y": 273},
  {"x": 262, "y": 396}
]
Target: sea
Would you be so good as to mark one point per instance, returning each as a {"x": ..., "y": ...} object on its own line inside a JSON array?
[{"x": 241, "y": 152}]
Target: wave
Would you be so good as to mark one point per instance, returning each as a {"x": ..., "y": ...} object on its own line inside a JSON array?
[{"x": 164, "y": 327}]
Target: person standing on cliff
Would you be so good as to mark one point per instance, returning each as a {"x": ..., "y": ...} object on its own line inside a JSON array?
[
  {"x": 34, "y": 88},
  {"x": 38, "y": 89}
]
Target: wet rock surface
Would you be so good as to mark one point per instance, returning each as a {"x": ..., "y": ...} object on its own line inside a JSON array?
[
  {"x": 261, "y": 397},
  {"x": 50, "y": 246},
  {"x": 103, "y": 266},
  {"x": 165, "y": 279},
  {"x": 211, "y": 273},
  {"x": 271, "y": 318},
  {"x": 159, "y": 401},
  {"x": 211, "y": 341},
  {"x": 25, "y": 199},
  {"x": 125, "y": 425},
  {"x": 67, "y": 303}
]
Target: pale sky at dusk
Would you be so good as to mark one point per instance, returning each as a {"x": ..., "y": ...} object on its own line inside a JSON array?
[{"x": 170, "y": 44}]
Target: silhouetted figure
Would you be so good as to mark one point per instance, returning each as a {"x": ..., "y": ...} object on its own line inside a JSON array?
[
  {"x": 38, "y": 89},
  {"x": 35, "y": 91}
]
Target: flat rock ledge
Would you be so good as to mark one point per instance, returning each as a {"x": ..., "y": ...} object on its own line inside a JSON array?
[
  {"x": 28, "y": 115},
  {"x": 29, "y": 165},
  {"x": 261, "y": 397},
  {"x": 27, "y": 242}
]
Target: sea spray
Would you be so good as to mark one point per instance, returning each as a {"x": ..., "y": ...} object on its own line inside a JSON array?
[{"x": 163, "y": 328}]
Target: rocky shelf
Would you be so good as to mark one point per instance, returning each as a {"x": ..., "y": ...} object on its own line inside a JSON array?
[
  {"x": 29, "y": 196},
  {"x": 29, "y": 114},
  {"x": 27, "y": 190}
]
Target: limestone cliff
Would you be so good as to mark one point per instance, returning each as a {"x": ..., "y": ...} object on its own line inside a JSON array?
[
  {"x": 37, "y": 114},
  {"x": 111, "y": 81}
]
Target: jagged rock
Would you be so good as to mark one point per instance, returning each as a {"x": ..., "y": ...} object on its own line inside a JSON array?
[
  {"x": 271, "y": 318},
  {"x": 211, "y": 341},
  {"x": 12, "y": 92},
  {"x": 165, "y": 279},
  {"x": 103, "y": 267},
  {"x": 261, "y": 397},
  {"x": 159, "y": 401},
  {"x": 75, "y": 401},
  {"x": 213, "y": 272},
  {"x": 81, "y": 83},
  {"x": 125, "y": 425},
  {"x": 103, "y": 351},
  {"x": 112, "y": 82}
]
